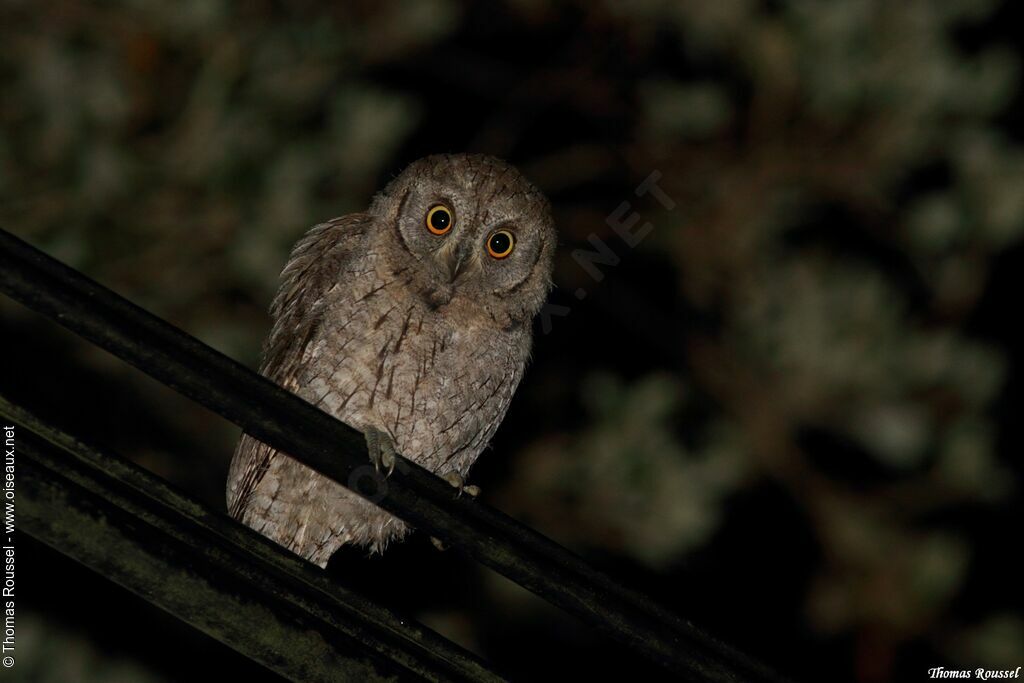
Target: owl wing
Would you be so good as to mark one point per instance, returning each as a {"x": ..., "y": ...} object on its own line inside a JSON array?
[{"x": 297, "y": 311}]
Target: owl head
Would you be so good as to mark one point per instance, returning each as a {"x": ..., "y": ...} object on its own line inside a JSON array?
[{"x": 471, "y": 234}]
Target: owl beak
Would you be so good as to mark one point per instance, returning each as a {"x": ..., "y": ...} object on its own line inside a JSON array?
[
  {"x": 452, "y": 262},
  {"x": 455, "y": 261},
  {"x": 456, "y": 268}
]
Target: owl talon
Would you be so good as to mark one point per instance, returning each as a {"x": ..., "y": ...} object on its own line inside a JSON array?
[
  {"x": 382, "y": 451},
  {"x": 459, "y": 482},
  {"x": 438, "y": 543}
]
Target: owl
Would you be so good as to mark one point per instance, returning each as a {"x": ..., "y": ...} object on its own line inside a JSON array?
[{"x": 411, "y": 322}]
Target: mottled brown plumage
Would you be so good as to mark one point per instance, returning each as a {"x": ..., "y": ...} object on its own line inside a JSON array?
[{"x": 418, "y": 337}]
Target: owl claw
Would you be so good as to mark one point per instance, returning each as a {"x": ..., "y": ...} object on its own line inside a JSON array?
[
  {"x": 382, "y": 451},
  {"x": 438, "y": 543},
  {"x": 459, "y": 482}
]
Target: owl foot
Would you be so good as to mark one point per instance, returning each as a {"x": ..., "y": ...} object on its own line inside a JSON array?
[
  {"x": 459, "y": 482},
  {"x": 382, "y": 450}
]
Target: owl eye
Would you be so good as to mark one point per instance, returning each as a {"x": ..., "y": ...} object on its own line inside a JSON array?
[
  {"x": 500, "y": 244},
  {"x": 439, "y": 219}
]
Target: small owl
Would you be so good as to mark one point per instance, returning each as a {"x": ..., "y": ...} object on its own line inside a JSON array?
[{"x": 411, "y": 322}]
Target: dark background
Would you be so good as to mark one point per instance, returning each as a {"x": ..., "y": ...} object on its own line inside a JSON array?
[{"x": 791, "y": 413}]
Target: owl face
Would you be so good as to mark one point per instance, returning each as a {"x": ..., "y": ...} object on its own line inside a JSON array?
[{"x": 470, "y": 231}]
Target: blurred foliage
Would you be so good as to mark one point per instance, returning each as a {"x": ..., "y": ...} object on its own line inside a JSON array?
[
  {"x": 846, "y": 176},
  {"x": 49, "y": 653},
  {"x": 626, "y": 480}
]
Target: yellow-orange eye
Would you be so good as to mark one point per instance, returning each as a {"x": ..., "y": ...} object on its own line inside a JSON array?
[
  {"x": 439, "y": 219},
  {"x": 501, "y": 244}
]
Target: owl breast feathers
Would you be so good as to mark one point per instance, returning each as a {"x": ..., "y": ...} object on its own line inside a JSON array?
[{"x": 411, "y": 321}]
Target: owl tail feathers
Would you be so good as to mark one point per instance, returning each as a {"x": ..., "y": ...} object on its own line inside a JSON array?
[
  {"x": 312, "y": 516},
  {"x": 320, "y": 553},
  {"x": 318, "y": 548},
  {"x": 305, "y": 539},
  {"x": 315, "y": 540}
]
